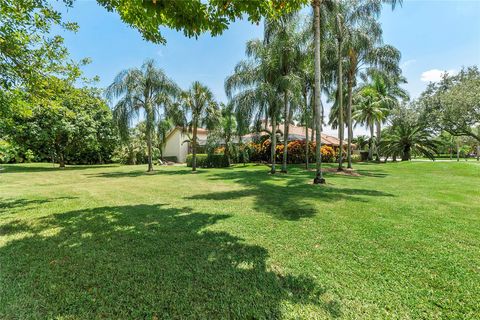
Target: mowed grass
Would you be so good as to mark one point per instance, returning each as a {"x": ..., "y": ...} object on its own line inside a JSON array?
[{"x": 401, "y": 241}]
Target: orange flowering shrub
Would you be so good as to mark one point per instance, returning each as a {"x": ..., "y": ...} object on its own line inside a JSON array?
[{"x": 296, "y": 151}]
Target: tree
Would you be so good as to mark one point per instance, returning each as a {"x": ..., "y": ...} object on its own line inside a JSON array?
[
  {"x": 369, "y": 112},
  {"x": 203, "y": 110},
  {"x": 146, "y": 88},
  {"x": 253, "y": 89},
  {"x": 453, "y": 104},
  {"x": 194, "y": 17},
  {"x": 387, "y": 92},
  {"x": 408, "y": 135},
  {"x": 64, "y": 124}
]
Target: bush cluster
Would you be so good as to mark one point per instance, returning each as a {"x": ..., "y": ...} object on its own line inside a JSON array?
[
  {"x": 296, "y": 151},
  {"x": 208, "y": 160}
]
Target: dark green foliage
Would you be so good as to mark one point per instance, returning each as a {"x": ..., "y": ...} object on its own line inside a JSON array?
[
  {"x": 208, "y": 160},
  {"x": 64, "y": 124}
]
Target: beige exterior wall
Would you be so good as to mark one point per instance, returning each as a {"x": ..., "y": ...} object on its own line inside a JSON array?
[{"x": 174, "y": 146}]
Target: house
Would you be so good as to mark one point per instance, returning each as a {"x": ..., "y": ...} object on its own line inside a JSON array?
[
  {"x": 296, "y": 133},
  {"x": 177, "y": 145}
]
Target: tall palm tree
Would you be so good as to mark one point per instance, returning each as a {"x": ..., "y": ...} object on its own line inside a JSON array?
[
  {"x": 286, "y": 41},
  {"x": 203, "y": 110},
  {"x": 253, "y": 88},
  {"x": 388, "y": 92},
  {"x": 145, "y": 89},
  {"x": 368, "y": 112}
]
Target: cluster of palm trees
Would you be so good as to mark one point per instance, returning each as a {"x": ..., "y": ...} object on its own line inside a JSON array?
[
  {"x": 282, "y": 79},
  {"x": 286, "y": 73},
  {"x": 147, "y": 91}
]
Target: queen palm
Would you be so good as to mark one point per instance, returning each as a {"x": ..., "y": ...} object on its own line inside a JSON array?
[
  {"x": 145, "y": 89},
  {"x": 201, "y": 107},
  {"x": 253, "y": 88}
]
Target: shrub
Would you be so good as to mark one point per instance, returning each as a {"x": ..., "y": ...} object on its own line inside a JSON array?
[
  {"x": 208, "y": 161},
  {"x": 296, "y": 152},
  {"x": 29, "y": 156},
  {"x": 8, "y": 152}
]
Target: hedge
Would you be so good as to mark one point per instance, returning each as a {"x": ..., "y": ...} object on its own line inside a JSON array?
[
  {"x": 296, "y": 152},
  {"x": 208, "y": 161}
]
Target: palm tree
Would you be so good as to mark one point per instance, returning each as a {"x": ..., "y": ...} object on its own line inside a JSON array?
[
  {"x": 146, "y": 88},
  {"x": 404, "y": 139},
  {"x": 164, "y": 126},
  {"x": 253, "y": 89},
  {"x": 203, "y": 110},
  {"x": 225, "y": 131},
  {"x": 368, "y": 112},
  {"x": 387, "y": 92},
  {"x": 286, "y": 41}
]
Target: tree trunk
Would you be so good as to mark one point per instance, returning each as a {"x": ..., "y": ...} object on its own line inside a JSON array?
[
  {"x": 194, "y": 146},
  {"x": 379, "y": 136},
  {"x": 285, "y": 131},
  {"x": 370, "y": 144},
  {"x": 306, "y": 128},
  {"x": 458, "y": 152},
  {"x": 149, "y": 129},
  {"x": 273, "y": 140},
  {"x": 349, "y": 120},
  {"x": 340, "y": 103},
  {"x": 61, "y": 160},
  {"x": 318, "y": 111},
  {"x": 406, "y": 154}
]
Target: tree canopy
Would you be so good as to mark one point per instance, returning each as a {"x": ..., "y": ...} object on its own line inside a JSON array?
[{"x": 194, "y": 17}]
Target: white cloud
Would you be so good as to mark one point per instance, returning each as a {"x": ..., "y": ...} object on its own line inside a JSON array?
[{"x": 435, "y": 75}]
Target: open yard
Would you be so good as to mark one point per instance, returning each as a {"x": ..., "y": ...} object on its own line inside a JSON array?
[{"x": 400, "y": 241}]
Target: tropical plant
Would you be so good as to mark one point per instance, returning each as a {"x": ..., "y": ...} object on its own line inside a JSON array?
[
  {"x": 407, "y": 135},
  {"x": 146, "y": 89},
  {"x": 224, "y": 132},
  {"x": 253, "y": 88},
  {"x": 368, "y": 112},
  {"x": 200, "y": 105},
  {"x": 387, "y": 94}
]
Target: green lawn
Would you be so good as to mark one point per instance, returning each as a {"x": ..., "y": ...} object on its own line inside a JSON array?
[{"x": 400, "y": 241}]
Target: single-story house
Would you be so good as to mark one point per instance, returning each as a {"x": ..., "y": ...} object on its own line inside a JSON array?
[{"x": 177, "y": 145}]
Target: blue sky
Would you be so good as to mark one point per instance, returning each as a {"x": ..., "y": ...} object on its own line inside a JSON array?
[{"x": 433, "y": 36}]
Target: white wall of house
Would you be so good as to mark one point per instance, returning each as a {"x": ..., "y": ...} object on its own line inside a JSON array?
[{"x": 174, "y": 147}]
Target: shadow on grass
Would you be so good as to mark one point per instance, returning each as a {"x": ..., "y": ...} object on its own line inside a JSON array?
[
  {"x": 9, "y": 205},
  {"x": 143, "y": 262},
  {"x": 139, "y": 173},
  {"x": 290, "y": 197}
]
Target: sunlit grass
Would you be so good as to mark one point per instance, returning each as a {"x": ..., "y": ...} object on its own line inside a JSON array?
[{"x": 400, "y": 241}]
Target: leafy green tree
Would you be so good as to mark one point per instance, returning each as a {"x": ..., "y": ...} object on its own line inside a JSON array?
[
  {"x": 453, "y": 104},
  {"x": 203, "y": 110},
  {"x": 65, "y": 123},
  {"x": 194, "y": 17},
  {"x": 146, "y": 89}
]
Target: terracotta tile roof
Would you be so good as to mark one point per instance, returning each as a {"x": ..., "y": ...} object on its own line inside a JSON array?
[{"x": 298, "y": 133}]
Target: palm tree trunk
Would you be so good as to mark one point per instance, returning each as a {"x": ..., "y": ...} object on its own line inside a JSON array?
[
  {"x": 285, "y": 132},
  {"x": 194, "y": 146},
  {"x": 273, "y": 144},
  {"x": 305, "y": 98},
  {"x": 318, "y": 111},
  {"x": 340, "y": 105},
  {"x": 379, "y": 136},
  {"x": 370, "y": 144},
  {"x": 349, "y": 120},
  {"x": 149, "y": 129}
]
